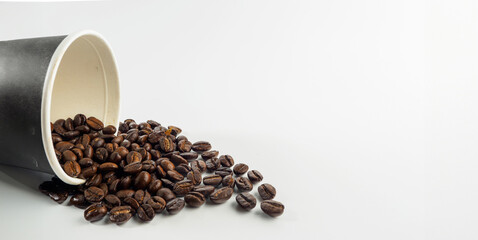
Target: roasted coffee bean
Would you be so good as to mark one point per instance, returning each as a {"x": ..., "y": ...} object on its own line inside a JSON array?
[
  {"x": 58, "y": 128},
  {"x": 120, "y": 214},
  {"x": 101, "y": 154},
  {"x": 131, "y": 202},
  {"x": 71, "y": 134},
  {"x": 177, "y": 159},
  {"x": 110, "y": 129},
  {"x": 58, "y": 196},
  {"x": 223, "y": 171},
  {"x": 153, "y": 123},
  {"x": 195, "y": 177},
  {"x": 95, "y": 212},
  {"x": 209, "y": 154},
  {"x": 109, "y": 147},
  {"x": 174, "y": 175},
  {"x": 184, "y": 146},
  {"x": 79, "y": 119},
  {"x": 201, "y": 146},
  {"x": 246, "y": 200},
  {"x": 94, "y": 123},
  {"x": 272, "y": 208},
  {"x": 78, "y": 152},
  {"x": 221, "y": 195},
  {"x": 133, "y": 135},
  {"x": 115, "y": 157},
  {"x": 83, "y": 129},
  {"x": 112, "y": 200},
  {"x": 240, "y": 168},
  {"x": 78, "y": 200},
  {"x": 228, "y": 181},
  {"x": 89, "y": 172},
  {"x": 108, "y": 166},
  {"x": 160, "y": 172},
  {"x": 266, "y": 191},
  {"x": 175, "y": 206},
  {"x": 166, "y": 193},
  {"x": 194, "y": 199},
  {"x": 123, "y": 127},
  {"x": 204, "y": 190},
  {"x": 145, "y": 212},
  {"x": 141, "y": 196},
  {"x": 226, "y": 160},
  {"x": 122, "y": 194},
  {"x": 72, "y": 168},
  {"x": 133, "y": 168},
  {"x": 63, "y": 146},
  {"x": 154, "y": 137},
  {"x": 113, "y": 187},
  {"x": 104, "y": 187},
  {"x": 149, "y": 166},
  {"x": 212, "y": 180},
  {"x": 95, "y": 180},
  {"x": 255, "y": 176},
  {"x": 243, "y": 184},
  {"x": 166, "y": 164},
  {"x": 89, "y": 152},
  {"x": 199, "y": 165},
  {"x": 109, "y": 177},
  {"x": 182, "y": 187},
  {"x": 69, "y": 124},
  {"x": 56, "y": 138},
  {"x": 133, "y": 157},
  {"x": 166, "y": 144},
  {"x": 155, "y": 154},
  {"x": 167, "y": 183},
  {"x": 213, "y": 164},
  {"x": 184, "y": 169},
  {"x": 158, "y": 203},
  {"x": 174, "y": 130},
  {"x": 85, "y": 162},
  {"x": 125, "y": 182},
  {"x": 189, "y": 155},
  {"x": 97, "y": 142},
  {"x": 123, "y": 151},
  {"x": 94, "y": 194},
  {"x": 155, "y": 185},
  {"x": 94, "y": 135},
  {"x": 142, "y": 180}
]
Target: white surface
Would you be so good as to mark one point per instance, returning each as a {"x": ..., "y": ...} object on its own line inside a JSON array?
[
  {"x": 370, "y": 103},
  {"x": 82, "y": 77}
]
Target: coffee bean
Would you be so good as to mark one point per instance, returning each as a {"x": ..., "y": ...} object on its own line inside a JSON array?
[
  {"x": 122, "y": 194},
  {"x": 71, "y": 134},
  {"x": 155, "y": 185},
  {"x": 223, "y": 171},
  {"x": 83, "y": 129},
  {"x": 125, "y": 182},
  {"x": 228, "y": 181},
  {"x": 209, "y": 154},
  {"x": 89, "y": 172},
  {"x": 266, "y": 191},
  {"x": 243, "y": 184},
  {"x": 110, "y": 129},
  {"x": 133, "y": 157},
  {"x": 177, "y": 159},
  {"x": 97, "y": 142},
  {"x": 101, "y": 154},
  {"x": 182, "y": 187},
  {"x": 246, "y": 200},
  {"x": 95, "y": 180},
  {"x": 78, "y": 200},
  {"x": 112, "y": 200},
  {"x": 166, "y": 144},
  {"x": 174, "y": 175},
  {"x": 166, "y": 164},
  {"x": 167, "y": 183},
  {"x": 104, "y": 187},
  {"x": 72, "y": 168},
  {"x": 184, "y": 146},
  {"x": 129, "y": 201},
  {"x": 255, "y": 176},
  {"x": 199, "y": 165},
  {"x": 240, "y": 168},
  {"x": 213, "y": 164},
  {"x": 204, "y": 190},
  {"x": 201, "y": 146},
  {"x": 272, "y": 208},
  {"x": 166, "y": 194},
  {"x": 174, "y": 130},
  {"x": 226, "y": 160},
  {"x": 95, "y": 212},
  {"x": 63, "y": 146},
  {"x": 195, "y": 177},
  {"x": 189, "y": 155},
  {"x": 149, "y": 166},
  {"x": 94, "y": 123},
  {"x": 58, "y": 128},
  {"x": 175, "y": 206},
  {"x": 221, "y": 195},
  {"x": 160, "y": 171},
  {"x": 184, "y": 169},
  {"x": 158, "y": 203},
  {"x": 145, "y": 212},
  {"x": 194, "y": 199},
  {"x": 88, "y": 153},
  {"x": 94, "y": 194},
  {"x": 141, "y": 196},
  {"x": 108, "y": 166},
  {"x": 212, "y": 180},
  {"x": 133, "y": 168},
  {"x": 120, "y": 214},
  {"x": 79, "y": 119},
  {"x": 142, "y": 180},
  {"x": 78, "y": 152}
]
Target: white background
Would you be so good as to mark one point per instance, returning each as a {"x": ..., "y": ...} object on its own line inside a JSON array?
[{"x": 361, "y": 113}]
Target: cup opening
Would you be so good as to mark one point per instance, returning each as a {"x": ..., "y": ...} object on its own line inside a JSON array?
[{"x": 82, "y": 78}]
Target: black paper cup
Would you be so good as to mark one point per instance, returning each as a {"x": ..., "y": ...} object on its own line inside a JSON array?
[{"x": 44, "y": 79}]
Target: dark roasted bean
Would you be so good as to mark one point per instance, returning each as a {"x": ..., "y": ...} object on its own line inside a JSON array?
[
  {"x": 120, "y": 214},
  {"x": 108, "y": 166},
  {"x": 166, "y": 193},
  {"x": 174, "y": 175},
  {"x": 223, "y": 171},
  {"x": 204, "y": 190},
  {"x": 240, "y": 168},
  {"x": 155, "y": 185},
  {"x": 221, "y": 195},
  {"x": 184, "y": 169},
  {"x": 175, "y": 206},
  {"x": 182, "y": 187},
  {"x": 199, "y": 165},
  {"x": 243, "y": 184},
  {"x": 94, "y": 123},
  {"x": 266, "y": 191},
  {"x": 133, "y": 157},
  {"x": 177, "y": 159},
  {"x": 194, "y": 199},
  {"x": 166, "y": 144},
  {"x": 195, "y": 177},
  {"x": 158, "y": 203},
  {"x": 142, "y": 180},
  {"x": 145, "y": 212},
  {"x": 209, "y": 154},
  {"x": 79, "y": 119},
  {"x": 212, "y": 180},
  {"x": 78, "y": 200},
  {"x": 184, "y": 146},
  {"x": 189, "y": 155},
  {"x": 72, "y": 168},
  {"x": 122, "y": 194},
  {"x": 255, "y": 176},
  {"x": 94, "y": 194},
  {"x": 213, "y": 164},
  {"x": 131, "y": 202},
  {"x": 112, "y": 200},
  {"x": 110, "y": 129},
  {"x": 95, "y": 180},
  {"x": 166, "y": 164},
  {"x": 228, "y": 181},
  {"x": 133, "y": 168},
  {"x": 201, "y": 146},
  {"x": 272, "y": 208},
  {"x": 63, "y": 146},
  {"x": 95, "y": 212},
  {"x": 226, "y": 160},
  {"x": 246, "y": 200}
]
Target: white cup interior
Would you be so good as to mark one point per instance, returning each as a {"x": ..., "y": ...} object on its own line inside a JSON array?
[{"x": 82, "y": 78}]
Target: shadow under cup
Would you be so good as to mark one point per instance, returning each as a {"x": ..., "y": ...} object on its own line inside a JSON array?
[{"x": 48, "y": 78}]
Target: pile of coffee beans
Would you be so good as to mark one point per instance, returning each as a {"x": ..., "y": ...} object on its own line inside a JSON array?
[{"x": 143, "y": 169}]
